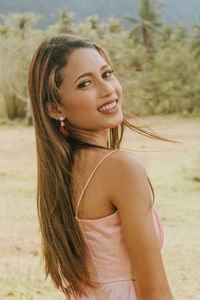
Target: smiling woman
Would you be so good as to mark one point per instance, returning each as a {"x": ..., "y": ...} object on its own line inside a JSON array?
[{"x": 101, "y": 233}]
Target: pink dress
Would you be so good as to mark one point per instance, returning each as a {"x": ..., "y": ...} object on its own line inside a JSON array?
[{"x": 105, "y": 240}]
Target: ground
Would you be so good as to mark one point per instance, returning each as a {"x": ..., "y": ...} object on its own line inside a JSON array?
[{"x": 174, "y": 170}]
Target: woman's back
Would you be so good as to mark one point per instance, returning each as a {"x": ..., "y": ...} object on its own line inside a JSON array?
[
  {"x": 94, "y": 202},
  {"x": 105, "y": 240}
]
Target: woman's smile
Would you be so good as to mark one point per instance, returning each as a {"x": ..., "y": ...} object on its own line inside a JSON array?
[{"x": 109, "y": 108}]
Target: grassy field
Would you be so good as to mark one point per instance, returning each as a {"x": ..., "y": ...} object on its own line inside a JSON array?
[{"x": 174, "y": 170}]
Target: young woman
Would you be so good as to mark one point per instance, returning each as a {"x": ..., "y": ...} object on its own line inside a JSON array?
[{"x": 101, "y": 233}]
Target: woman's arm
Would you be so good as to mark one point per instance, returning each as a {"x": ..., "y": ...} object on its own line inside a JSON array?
[{"x": 130, "y": 192}]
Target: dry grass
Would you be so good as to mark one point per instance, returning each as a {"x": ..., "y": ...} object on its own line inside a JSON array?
[{"x": 174, "y": 170}]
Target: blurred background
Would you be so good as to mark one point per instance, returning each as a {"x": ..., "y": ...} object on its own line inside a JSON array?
[{"x": 154, "y": 47}]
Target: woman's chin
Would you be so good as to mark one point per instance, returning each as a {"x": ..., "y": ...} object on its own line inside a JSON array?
[{"x": 117, "y": 122}]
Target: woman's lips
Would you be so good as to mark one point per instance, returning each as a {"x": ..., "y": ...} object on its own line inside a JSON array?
[{"x": 109, "y": 108}]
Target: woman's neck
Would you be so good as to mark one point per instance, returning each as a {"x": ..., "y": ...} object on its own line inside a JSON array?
[{"x": 99, "y": 138}]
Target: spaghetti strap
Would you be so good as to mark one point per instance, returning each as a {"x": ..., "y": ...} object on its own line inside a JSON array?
[{"x": 84, "y": 188}]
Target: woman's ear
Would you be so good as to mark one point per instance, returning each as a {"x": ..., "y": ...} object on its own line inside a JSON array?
[{"x": 53, "y": 110}]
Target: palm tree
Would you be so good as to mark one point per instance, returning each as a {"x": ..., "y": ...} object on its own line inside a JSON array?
[
  {"x": 65, "y": 20},
  {"x": 93, "y": 19},
  {"x": 96, "y": 25},
  {"x": 24, "y": 22},
  {"x": 149, "y": 12},
  {"x": 21, "y": 23}
]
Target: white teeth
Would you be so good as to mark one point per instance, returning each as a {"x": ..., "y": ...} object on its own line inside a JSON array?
[{"x": 108, "y": 106}]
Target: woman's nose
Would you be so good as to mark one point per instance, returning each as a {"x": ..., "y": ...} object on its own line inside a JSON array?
[{"x": 106, "y": 89}]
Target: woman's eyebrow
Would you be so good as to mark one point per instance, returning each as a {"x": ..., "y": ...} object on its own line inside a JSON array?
[{"x": 90, "y": 73}]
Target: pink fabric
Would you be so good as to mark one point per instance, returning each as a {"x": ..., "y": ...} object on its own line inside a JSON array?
[{"x": 104, "y": 237}]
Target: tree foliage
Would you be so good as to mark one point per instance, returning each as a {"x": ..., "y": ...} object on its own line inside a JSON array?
[
  {"x": 17, "y": 40},
  {"x": 157, "y": 64}
]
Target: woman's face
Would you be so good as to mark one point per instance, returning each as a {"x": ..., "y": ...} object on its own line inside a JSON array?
[{"x": 91, "y": 94}]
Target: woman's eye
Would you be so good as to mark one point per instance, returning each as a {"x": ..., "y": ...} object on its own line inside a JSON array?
[
  {"x": 107, "y": 73},
  {"x": 83, "y": 84}
]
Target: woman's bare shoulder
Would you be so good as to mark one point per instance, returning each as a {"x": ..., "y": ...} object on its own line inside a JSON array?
[
  {"x": 123, "y": 161},
  {"x": 127, "y": 177}
]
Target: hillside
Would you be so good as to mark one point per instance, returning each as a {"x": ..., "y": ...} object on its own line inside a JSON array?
[{"x": 181, "y": 10}]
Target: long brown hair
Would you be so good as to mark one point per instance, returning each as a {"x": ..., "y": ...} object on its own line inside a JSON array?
[{"x": 65, "y": 251}]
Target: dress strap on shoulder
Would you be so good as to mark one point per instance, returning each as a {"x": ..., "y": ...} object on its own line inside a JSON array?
[{"x": 84, "y": 188}]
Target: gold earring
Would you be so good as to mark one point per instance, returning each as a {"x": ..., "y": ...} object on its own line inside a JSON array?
[
  {"x": 62, "y": 121},
  {"x": 64, "y": 129}
]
